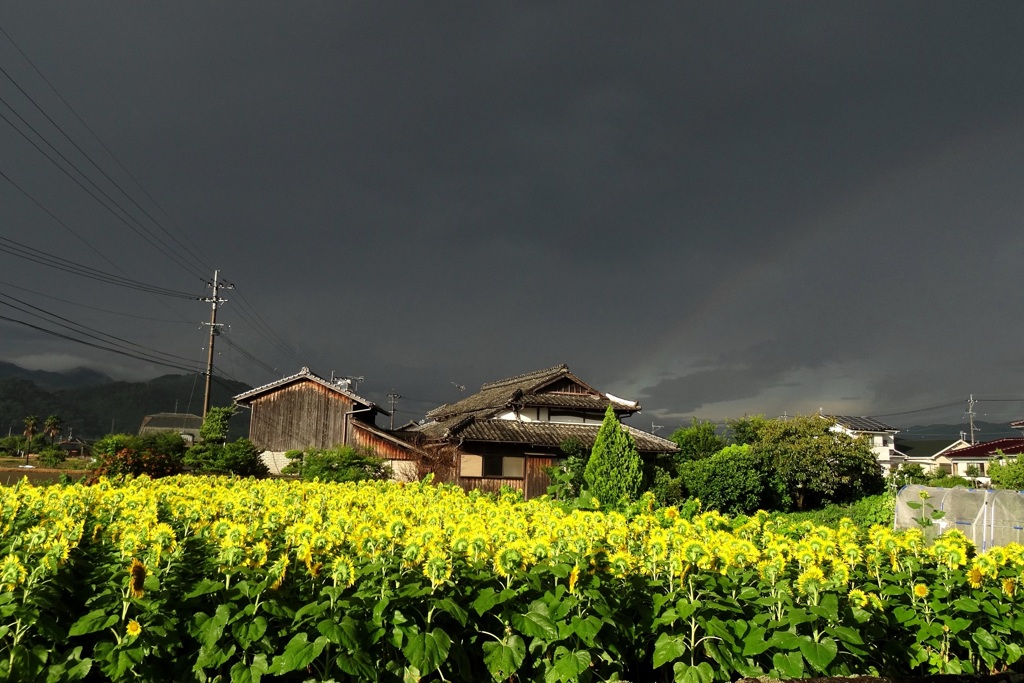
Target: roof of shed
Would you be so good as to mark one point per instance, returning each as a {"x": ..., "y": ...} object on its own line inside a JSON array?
[
  {"x": 305, "y": 375},
  {"x": 172, "y": 421}
]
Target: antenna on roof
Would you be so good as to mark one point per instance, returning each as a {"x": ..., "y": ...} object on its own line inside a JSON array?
[
  {"x": 460, "y": 387},
  {"x": 655, "y": 428}
]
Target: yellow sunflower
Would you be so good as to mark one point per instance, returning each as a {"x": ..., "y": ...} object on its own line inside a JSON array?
[
  {"x": 133, "y": 629},
  {"x": 137, "y": 579},
  {"x": 974, "y": 577},
  {"x": 920, "y": 590}
]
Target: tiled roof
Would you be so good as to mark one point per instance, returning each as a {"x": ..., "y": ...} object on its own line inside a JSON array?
[
  {"x": 981, "y": 450},
  {"x": 554, "y": 433},
  {"x": 522, "y": 390},
  {"x": 172, "y": 421},
  {"x": 1017, "y": 424},
  {"x": 862, "y": 424},
  {"x": 305, "y": 374}
]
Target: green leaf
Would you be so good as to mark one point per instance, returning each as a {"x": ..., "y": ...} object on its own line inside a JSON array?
[
  {"x": 819, "y": 654},
  {"x": 569, "y": 665},
  {"x": 427, "y": 651},
  {"x": 789, "y": 665},
  {"x": 536, "y": 623},
  {"x": 668, "y": 649},
  {"x": 755, "y": 643},
  {"x": 846, "y": 634},
  {"x": 127, "y": 660},
  {"x": 204, "y": 587},
  {"x": 587, "y": 629},
  {"x": 250, "y": 673},
  {"x": 985, "y": 639},
  {"x": 248, "y": 631},
  {"x": 684, "y": 673},
  {"x": 966, "y": 604},
  {"x": 504, "y": 658},
  {"x": 455, "y": 610},
  {"x": 487, "y": 599},
  {"x": 298, "y": 654},
  {"x": 97, "y": 620}
]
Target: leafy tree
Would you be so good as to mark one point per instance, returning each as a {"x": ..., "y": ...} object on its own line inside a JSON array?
[
  {"x": 614, "y": 471},
  {"x": 213, "y": 456},
  {"x": 215, "y": 424},
  {"x": 747, "y": 429},
  {"x": 155, "y": 455},
  {"x": 734, "y": 481},
  {"x": 1007, "y": 472},
  {"x": 52, "y": 427},
  {"x": 31, "y": 426},
  {"x": 344, "y": 463},
  {"x": 814, "y": 465},
  {"x": 906, "y": 474},
  {"x": 699, "y": 440},
  {"x": 567, "y": 477}
]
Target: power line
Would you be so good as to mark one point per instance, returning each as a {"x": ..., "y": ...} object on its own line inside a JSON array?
[
  {"x": 79, "y": 328},
  {"x": 92, "y": 308},
  {"x": 113, "y": 156},
  {"x": 25, "y": 252}
]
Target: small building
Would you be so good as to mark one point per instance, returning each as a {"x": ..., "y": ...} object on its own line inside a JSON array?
[
  {"x": 880, "y": 437},
  {"x": 928, "y": 452},
  {"x": 980, "y": 455},
  {"x": 305, "y": 411},
  {"x": 510, "y": 432},
  {"x": 185, "y": 424}
]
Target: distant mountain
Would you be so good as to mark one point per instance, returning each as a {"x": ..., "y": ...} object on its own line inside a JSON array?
[
  {"x": 92, "y": 411},
  {"x": 983, "y": 431},
  {"x": 52, "y": 381}
]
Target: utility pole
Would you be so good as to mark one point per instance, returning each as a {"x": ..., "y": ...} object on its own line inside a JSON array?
[
  {"x": 214, "y": 331},
  {"x": 970, "y": 415},
  {"x": 393, "y": 399}
]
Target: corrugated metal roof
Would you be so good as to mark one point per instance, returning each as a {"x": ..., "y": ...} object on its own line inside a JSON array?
[
  {"x": 862, "y": 424},
  {"x": 172, "y": 421}
]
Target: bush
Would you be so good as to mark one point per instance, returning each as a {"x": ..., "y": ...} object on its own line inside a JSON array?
[
  {"x": 241, "y": 457},
  {"x": 52, "y": 457},
  {"x": 866, "y": 512},
  {"x": 340, "y": 464},
  {"x": 1007, "y": 475},
  {"x": 733, "y": 481},
  {"x": 155, "y": 455},
  {"x": 948, "y": 481}
]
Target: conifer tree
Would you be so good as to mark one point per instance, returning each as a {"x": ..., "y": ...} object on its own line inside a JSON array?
[{"x": 614, "y": 472}]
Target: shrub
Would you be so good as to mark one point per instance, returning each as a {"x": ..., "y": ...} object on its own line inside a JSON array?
[
  {"x": 340, "y": 464},
  {"x": 155, "y": 455},
  {"x": 240, "y": 457},
  {"x": 52, "y": 457},
  {"x": 613, "y": 473}
]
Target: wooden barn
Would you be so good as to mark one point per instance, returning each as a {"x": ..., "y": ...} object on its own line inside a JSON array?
[
  {"x": 305, "y": 411},
  {"x": 510, "y": 432}
]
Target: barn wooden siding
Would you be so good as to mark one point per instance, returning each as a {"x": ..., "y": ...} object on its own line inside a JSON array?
[
  {"x": 304, "y": 415},
  {"x": 534, "y": 483},
  {"x": 381, "y": 446}
]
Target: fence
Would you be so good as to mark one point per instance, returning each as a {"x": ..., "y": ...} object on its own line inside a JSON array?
[{"x": 987, "y": 517}]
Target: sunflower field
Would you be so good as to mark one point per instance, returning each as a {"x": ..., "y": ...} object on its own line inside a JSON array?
[{"x": 201, "y": 578}]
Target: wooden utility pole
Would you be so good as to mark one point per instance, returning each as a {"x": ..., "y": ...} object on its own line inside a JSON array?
[{"x": 214, "y": 331}]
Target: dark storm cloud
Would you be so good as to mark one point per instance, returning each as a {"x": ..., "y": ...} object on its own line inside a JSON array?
[{"x": 724, "y": 207}]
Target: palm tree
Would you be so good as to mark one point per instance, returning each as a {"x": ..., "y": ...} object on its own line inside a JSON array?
[
  {"x": 52, "y": 427},
  {"x": 31, "y": 424}
]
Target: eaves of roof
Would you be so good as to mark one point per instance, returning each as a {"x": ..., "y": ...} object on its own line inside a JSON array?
[
  {"x": 302, "y": 375},
  {"x": 553, "y": 434}
]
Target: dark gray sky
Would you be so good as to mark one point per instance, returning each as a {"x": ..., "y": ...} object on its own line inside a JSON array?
[{"x": 715, "y": 208}]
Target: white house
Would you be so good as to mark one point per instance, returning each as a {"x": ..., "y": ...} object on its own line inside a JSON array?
[{"x": 880, "y": 437}]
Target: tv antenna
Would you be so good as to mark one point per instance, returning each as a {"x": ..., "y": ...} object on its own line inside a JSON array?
[
  {"x": 460, "y": 387},
  {"x": 655, "y": 428}
]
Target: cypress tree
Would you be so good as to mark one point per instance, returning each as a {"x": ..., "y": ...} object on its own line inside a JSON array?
[{"x": 613, "y": 473}]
